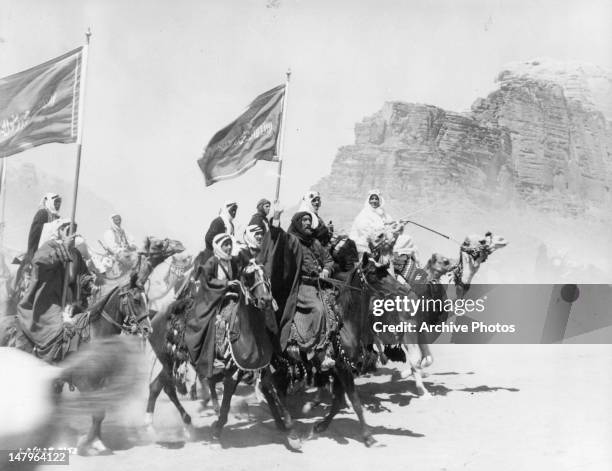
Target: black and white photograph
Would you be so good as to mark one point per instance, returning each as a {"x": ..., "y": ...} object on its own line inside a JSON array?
[{"x": 306, "y": 234}]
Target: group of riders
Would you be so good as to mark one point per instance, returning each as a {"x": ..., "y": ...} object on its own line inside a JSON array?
[
  {"x": 269, "y": 297},
  {"x": 59, "y": 274},
  {"x": 311, "y": 242}
]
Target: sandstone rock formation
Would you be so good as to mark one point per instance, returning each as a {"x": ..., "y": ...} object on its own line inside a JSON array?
[{"x": 542, "y": 140}]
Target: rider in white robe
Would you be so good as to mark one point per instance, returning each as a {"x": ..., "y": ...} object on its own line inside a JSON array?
[
  {"x": 116, "y": 239},
  {"x": 371, "y": 221}
]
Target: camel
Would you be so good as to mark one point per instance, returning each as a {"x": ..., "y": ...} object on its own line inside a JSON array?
[{"x": 449, "y": 280}]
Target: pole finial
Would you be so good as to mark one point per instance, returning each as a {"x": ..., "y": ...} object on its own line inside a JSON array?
[
  {"x": 288, "y": 73},
  {"x": 88, "y": 35}
]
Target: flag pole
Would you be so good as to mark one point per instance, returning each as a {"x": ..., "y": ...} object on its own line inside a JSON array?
[
  {"x": 3, "y": 202},
  {"x": 83, "y": 78},
  {"x": 281, "y": 140}
]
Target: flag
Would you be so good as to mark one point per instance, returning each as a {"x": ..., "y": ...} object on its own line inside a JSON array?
[
  {"x": 251, "y": 137},
  {"x": 41, "y": 105}
]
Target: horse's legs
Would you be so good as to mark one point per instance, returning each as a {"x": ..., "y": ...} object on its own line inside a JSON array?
[
  {"x": 274, "y": 387},
  {"x": 91, "y": 444},
  {"x": 337, "y": 400},
  {"x": 345, "y": 376},
  {"x": 230, "y": 381},
  {"x": 267, "y": 388},
  {"x": 381, "y": 350},
  {"x": 170, "y": 390},
  {"x": 155, "y": 388},
  {"x": 212, "y": 386},
  {"x": 320, "y": 381}
]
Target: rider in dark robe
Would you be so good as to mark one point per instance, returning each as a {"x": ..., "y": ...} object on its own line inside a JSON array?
[
  {"x": 297, "y": 264},
  {"x": 49, "y": 211},
  {"x": 214, "y": 280},
  {"x": 252, "y": 238},
  {"x": 222, "y": 224},
  {"x": 260, "y": 218},
  {"x": 40, "y": 316},
  {"x": 311, "y": 203}
]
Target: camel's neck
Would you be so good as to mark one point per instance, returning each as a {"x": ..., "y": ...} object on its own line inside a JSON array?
[
  {"x": 434, "y": 274},
  {"x": 469, "y": 268},
  {"x": 463, "y": 277},
  {"x": 146, "y": 266}
]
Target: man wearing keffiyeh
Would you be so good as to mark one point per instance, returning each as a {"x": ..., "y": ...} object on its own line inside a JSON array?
[
  {"x": 311, "y": 203},
  {"x": 48, "y": 212},
  {"x": 252, "y": 238},
  {"x": 222, "y": 224},
  {"x": 297, "y": 263},
  {"x": 115, "y": 238},
  {"x": 217, "y": 279},
  {"x": 260, "y": 218}
]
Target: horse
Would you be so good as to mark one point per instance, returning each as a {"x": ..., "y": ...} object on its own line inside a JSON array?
[
  {"x": 123, "y": 310},
  {"x": 360, "y": 284},
  {"x": 246, "y": 327},
  {"x": 32, "y": 415}
]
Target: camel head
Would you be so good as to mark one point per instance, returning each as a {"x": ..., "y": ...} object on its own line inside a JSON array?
[
  {"x": 154, "y": 251},
  {"x": 158, "y": 250},
  {"x": 474, "y": 251},
  {"x": 438, "y": 265}
]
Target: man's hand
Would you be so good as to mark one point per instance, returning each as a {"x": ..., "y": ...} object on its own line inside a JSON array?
[
  {"x": 278, "y": 210},
  {"x": 62, "y": 250},
  {"x": 67, "y": 314},
  {"x": 233, "y": 284},
  {"x": 324, "y": 273}
]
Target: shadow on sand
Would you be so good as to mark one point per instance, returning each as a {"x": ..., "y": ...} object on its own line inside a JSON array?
[{"x": 255, "y": 426}]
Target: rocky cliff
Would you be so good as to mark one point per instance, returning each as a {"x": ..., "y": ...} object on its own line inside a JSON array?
[
  {"x": 532, "y": 160},
  {"x": 542, "y": 139}
]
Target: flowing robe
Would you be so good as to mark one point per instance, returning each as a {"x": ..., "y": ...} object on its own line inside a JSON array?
[
  {"x": 200, "y": 328},
  {"x": 368, "y": 223},
  {"x": 39, "y": 315},
  {"x": 41, "y": 218},
  {"x": 286, "y": 260}
]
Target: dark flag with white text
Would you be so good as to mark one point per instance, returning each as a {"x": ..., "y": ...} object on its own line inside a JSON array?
[
  {"x": 251, "y": 137},
  {"x": 41, "y": 105}
]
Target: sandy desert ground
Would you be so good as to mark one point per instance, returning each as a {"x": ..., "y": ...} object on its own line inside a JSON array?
[{"x": 513, "y": 407}]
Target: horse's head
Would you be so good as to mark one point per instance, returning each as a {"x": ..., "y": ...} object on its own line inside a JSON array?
[
  {"x": 376, "y": 277},
  {"x": 257, "y": 285},
  {"x": 134, "y": 310},
  {"x": 381, "y": 245},
  {"x": 473, "y": 252},
  {"x": 344, "y": 252}
]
